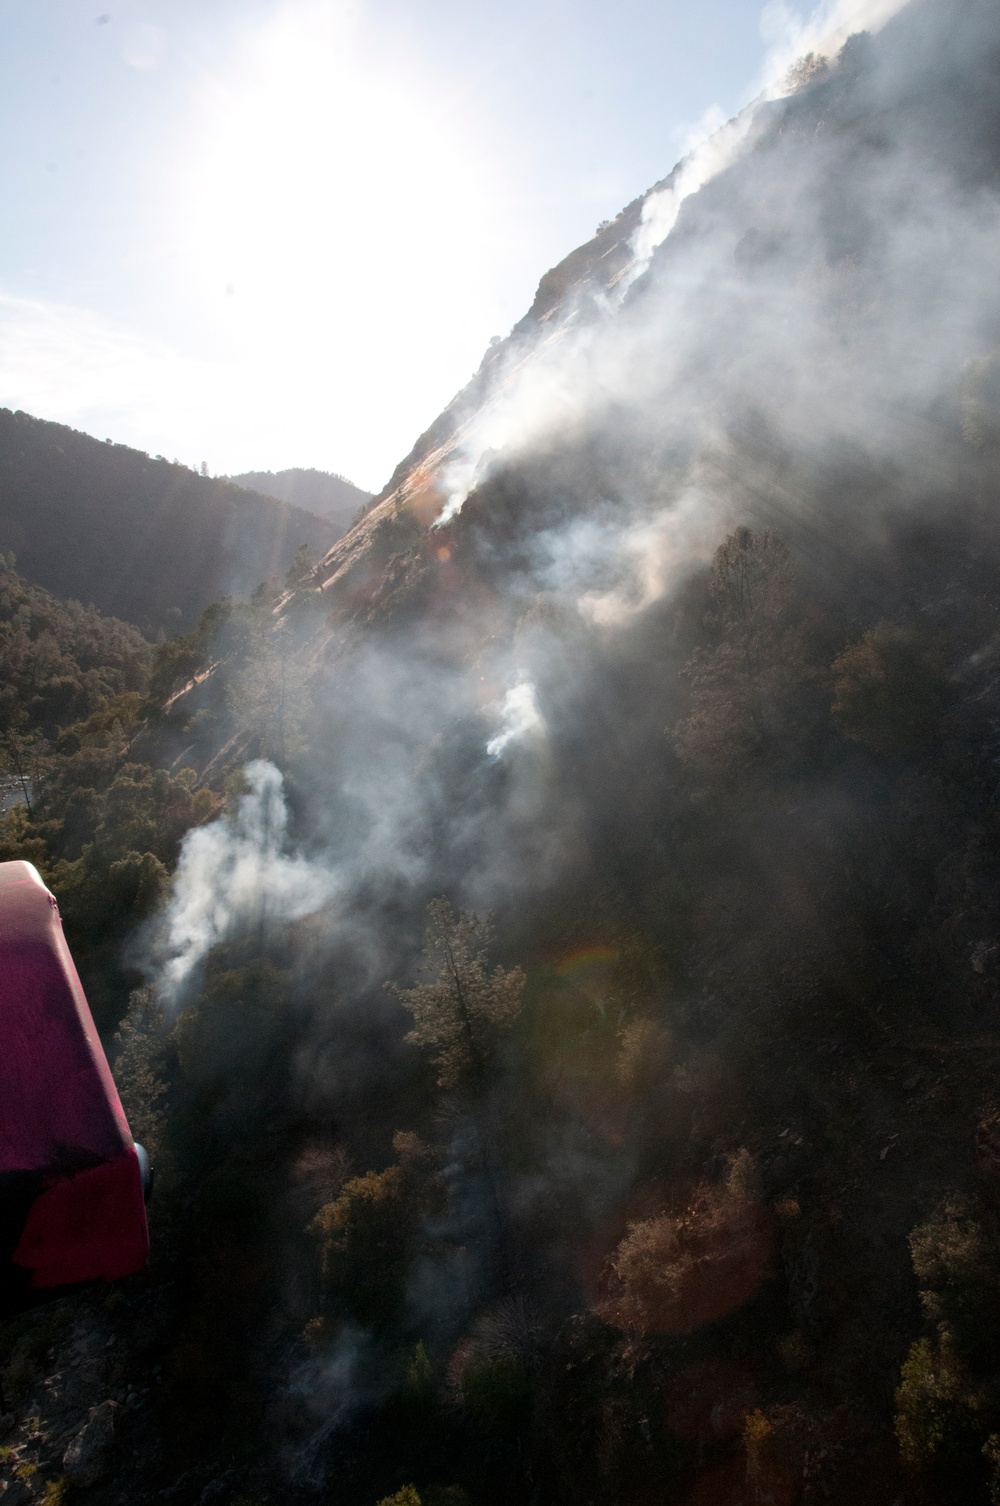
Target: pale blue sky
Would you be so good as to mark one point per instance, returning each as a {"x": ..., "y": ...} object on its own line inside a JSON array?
[{"x": 276, "y": 232}]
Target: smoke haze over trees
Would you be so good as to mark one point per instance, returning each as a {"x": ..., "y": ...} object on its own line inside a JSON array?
[
  {"x": 673, "y": 650},
  {"x": 142, "y": 538},
  {"x": 328, "y": 496}
]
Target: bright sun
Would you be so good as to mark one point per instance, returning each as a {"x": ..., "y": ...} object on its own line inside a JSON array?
[{"x": 341, "y": 229}]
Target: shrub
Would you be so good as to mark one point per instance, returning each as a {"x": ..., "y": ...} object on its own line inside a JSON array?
[
  {"x": 934, "y": 1416},
  {"x": 678, "y": 1271},
  {"x": 956, "y": 1259},
  {"x": 370, "y": 1233}
]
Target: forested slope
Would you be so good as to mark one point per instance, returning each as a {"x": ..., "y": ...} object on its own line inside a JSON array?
[
  {"x": 328, "y": 496},
  {"x": 138, "y": 537},
  {"x": 676, "y": 646}
]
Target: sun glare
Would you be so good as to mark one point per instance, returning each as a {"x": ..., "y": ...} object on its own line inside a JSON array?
[{"x": 340, "y": 230}]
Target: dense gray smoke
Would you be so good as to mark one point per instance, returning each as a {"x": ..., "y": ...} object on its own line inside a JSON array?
[
  {"x": 236, "y": 875},
  {"x": 483, "y": 700},
  {"x": 807, "y": 305}
]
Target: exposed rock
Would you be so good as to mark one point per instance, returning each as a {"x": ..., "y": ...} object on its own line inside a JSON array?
[{"x": 88, "y": 1458}]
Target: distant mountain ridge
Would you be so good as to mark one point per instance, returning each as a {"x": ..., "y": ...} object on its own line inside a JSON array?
[
  {"x": 143, "y": 539},
  {"x": 324, "y": 493}
]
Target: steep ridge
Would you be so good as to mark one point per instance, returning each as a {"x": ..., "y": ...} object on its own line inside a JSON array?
[
  {"x": 327, "y": 495},
  {"x": 676, "y": 645},
  {"x": 791, "y": 226},
  {"x": 412, "y": 498},
  {"x": 811, "y": 346},
  {"x": 138, "y": 537}
]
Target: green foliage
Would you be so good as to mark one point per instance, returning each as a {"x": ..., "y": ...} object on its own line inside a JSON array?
[
  {"x": 232, "y": 1047},
  {"x": 679, "y": 1270},
  {"x": 370, "y": 1234},
  {"x": 419, "y": 1375},
  {"x": 299, "y": 572},
  {"x": 935, "y": 1414},
  {"x": 258, "y": 682},
  {"x": 956, "y": 1260},
  {"x": 146, "y": 539},
  {"x": 104, "y": 834},
  {"x": 268, "y": 691},
  {"x": 327, "y": 494},
  {"x": 59, "y": 661},
  {"x": 179, "y": 659},
  {"x": 99, "y": 820},
  {"x": 461, "y": 1012},
  {"x": 811, "y": 68},
  {"x": 101, "y": 899},
  {"x": 433, "y": 1495},
  {"x": 21, "y": 840}
]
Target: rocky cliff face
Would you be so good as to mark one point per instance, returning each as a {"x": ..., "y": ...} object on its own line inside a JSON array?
[{"x": 815, "y": 308}]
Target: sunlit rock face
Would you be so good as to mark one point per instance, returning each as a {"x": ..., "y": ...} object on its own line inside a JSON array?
[
  {"x": 797, "y": 330},
  {"x": 809, "y": 341}
]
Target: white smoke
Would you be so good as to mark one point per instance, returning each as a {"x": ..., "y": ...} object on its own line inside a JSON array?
[
  {"x": 716, "y": 142},
  {"x": 631, "y": 420},
  {"x": 571, "y": 368},
  {"x": 791, "y": 36},
  {"x": 519, "y": 716},
  {"x": 650, "y": 556},
  {"x": 716, "y": 146},
  {"x": 235, "y": 874}
]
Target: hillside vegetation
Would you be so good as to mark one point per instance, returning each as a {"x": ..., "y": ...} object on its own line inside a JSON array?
[
  {"x": 552, "y": 950},
  {"x": 328, "y": 496},
  {"x": 705, "y": 1150},
  {"x": 137, "y": 537}
]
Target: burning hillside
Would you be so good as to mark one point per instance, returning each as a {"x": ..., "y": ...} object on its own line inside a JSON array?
[{"x": 673, "y": 649}]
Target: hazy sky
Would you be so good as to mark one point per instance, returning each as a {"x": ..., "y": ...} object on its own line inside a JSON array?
[{"x": 265, "y": 233}]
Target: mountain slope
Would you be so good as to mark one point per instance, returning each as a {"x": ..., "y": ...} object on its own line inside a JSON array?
[
  {"x": 821, "y": 301},
  {"x": 674, "y": 644},
  {"x": 327, "y": 495},
  {"x": 139, "y": 538}
]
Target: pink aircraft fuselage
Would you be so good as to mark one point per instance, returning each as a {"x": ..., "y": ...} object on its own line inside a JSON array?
[{"x": 71, "y": 1196}]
